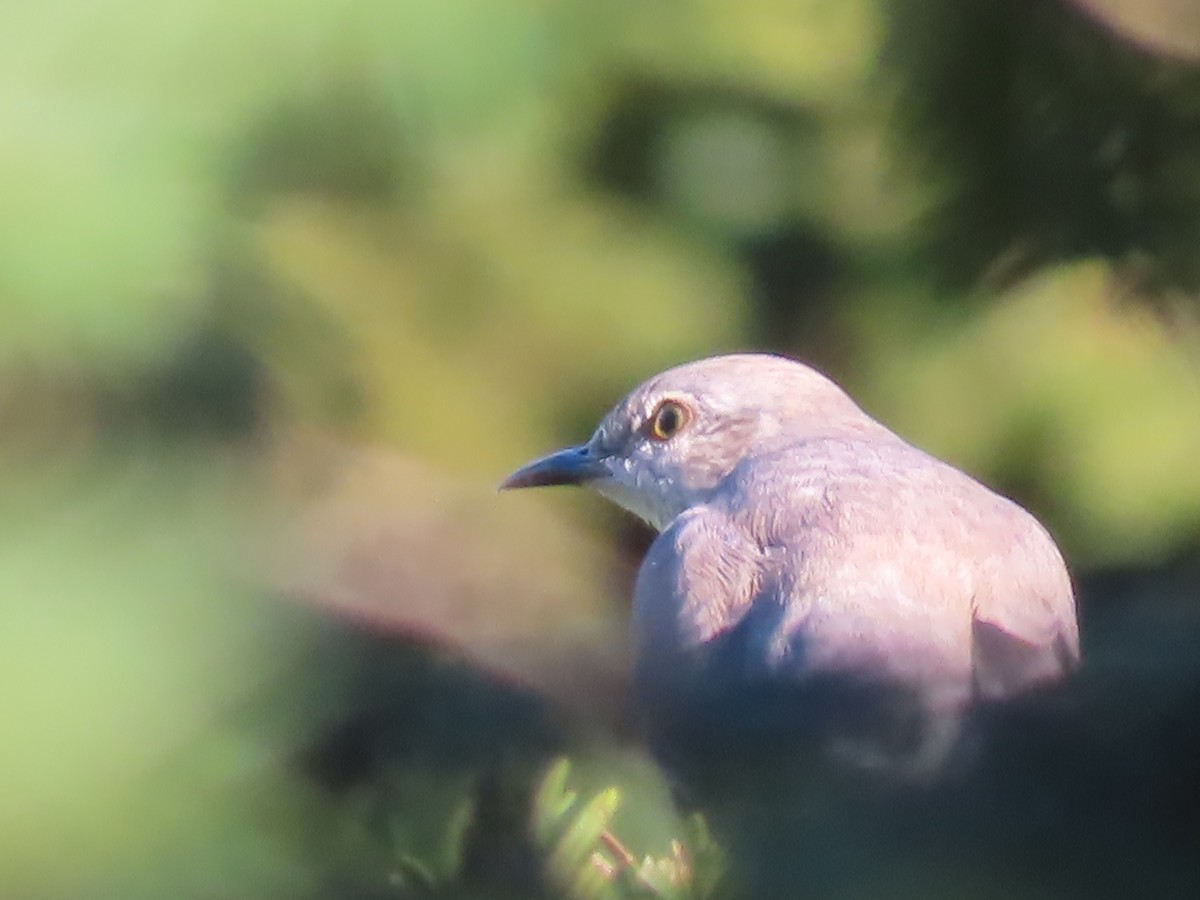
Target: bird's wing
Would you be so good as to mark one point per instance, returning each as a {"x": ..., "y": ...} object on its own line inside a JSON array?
[
  {"x": 904, "y": 568},
  {"x": 725, "y": 646},
  {"x": 1024, "y": 630},
  {"x": 699, "y": 579}
]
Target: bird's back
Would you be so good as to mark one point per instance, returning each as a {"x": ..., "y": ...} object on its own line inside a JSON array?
[
  {"x": 893, "y": 561},
  {"x": 855, "y": 568}
]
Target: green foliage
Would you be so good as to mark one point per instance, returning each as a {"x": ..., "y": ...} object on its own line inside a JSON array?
[
  {"x": 1051, "y": 136},
  {"x": 585, "y": 859},
  {"x": 438, "y": 832},
  {"x": 458, "y": 229},
  {"x": 429, "y": 847},
  {"x": 132, "y": 654},
  {"x": 607, "y": 188}
]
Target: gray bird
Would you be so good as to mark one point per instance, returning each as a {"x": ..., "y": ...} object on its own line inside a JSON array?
[{"x": 815, "y": 570}]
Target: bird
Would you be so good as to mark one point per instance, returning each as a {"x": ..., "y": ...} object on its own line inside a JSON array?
[{"x": 814, "y": 574}]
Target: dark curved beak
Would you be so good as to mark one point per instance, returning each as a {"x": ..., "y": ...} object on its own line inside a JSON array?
[{"x": 575, "y": 465}]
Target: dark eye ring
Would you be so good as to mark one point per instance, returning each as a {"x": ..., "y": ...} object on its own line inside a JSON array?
[{"x": 668, "y": 420}]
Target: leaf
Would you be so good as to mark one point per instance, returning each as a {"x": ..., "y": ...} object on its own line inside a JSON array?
[
  {"x": 574, "y": 849},
  {"x": 414, "y": 874},
  {"x": 708, "y": 861},
  {"x": 551, "y": 803}
]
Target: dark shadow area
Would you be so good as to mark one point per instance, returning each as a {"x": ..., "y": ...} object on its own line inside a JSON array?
[
  {"x": 433, "y": 760},
  {"x": 1055, "y": 137},
  {"x": 798, "y": 276},
  {"x": 345, "y": 142},
  {"x": 625, "y": 155},
  {"x": 1085, "y": 790}
]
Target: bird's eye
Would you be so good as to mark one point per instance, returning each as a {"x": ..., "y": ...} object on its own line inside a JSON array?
[{"x": 667, "y": 420}]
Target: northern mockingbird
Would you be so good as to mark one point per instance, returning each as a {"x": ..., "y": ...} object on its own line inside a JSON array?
[{"x": 814, "y": 572}]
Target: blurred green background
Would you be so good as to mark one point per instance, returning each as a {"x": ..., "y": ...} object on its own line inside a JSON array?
[{"x": 286, "y": 288}]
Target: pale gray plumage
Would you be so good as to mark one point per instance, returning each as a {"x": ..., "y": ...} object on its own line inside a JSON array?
[{"x": 803, "y": 543}]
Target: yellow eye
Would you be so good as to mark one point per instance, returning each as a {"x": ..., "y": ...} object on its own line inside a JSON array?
[{"x": 668, "y": 419}]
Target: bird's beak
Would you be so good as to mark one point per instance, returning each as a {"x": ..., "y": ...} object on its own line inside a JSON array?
[{"x": 575, "y": 465}]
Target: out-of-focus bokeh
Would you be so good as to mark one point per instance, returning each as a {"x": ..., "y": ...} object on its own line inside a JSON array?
[{"x": 286, "y": 288}]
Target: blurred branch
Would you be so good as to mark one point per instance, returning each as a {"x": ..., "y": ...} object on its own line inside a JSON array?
[{"x": 393, "y": 544}]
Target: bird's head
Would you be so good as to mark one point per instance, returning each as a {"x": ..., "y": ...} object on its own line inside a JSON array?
[{"x": 673, "y": 439}]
